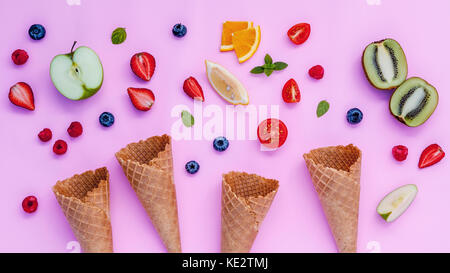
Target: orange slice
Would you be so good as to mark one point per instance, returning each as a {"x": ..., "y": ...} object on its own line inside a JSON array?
[
  {"x": 225, "y": 84},
  {"x": 246, "y": 42},
  {"x": 229, "y": 27}
]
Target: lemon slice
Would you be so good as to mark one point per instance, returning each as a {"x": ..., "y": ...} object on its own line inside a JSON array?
[
  {"x": 228, "y": 28},
  {"x": 226, "y": 84},
  {"x": 246, "y": 42}
]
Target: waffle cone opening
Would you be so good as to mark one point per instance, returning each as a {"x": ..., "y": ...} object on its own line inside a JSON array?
[
  {"x": 144, "y": 151},
  {"x": 341, "y": 158},
  {"x": 249, "y": 185},
  {"x": 82, "y": 185}
]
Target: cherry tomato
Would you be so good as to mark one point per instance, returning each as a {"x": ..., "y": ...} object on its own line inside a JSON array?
[
  {"x": 291, "y": 92},
  {"x": 299, "y": 33},
  {"x": 272, "y": 133}
]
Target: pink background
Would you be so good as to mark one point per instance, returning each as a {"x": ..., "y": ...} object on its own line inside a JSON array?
[{"x": 295, "y": 222}]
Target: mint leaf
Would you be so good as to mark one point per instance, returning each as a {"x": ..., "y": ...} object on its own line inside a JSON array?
[
  {"x": 257, "y": 70},
  {"x": 268, "y": 59},
  {"x": 268, "y": 67},
  {"x": 187, "y": 118},
  {"x": 268, "y": 71},
  {"x": 280, "y": 65},
  {"x": 322, "y": 108},
  {"x": 118, "y": 36}
]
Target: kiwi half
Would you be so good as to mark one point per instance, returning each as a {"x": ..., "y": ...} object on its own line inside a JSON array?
[
  {"x": 414, "y": 101},
  {"x": 385, "y": 64}
]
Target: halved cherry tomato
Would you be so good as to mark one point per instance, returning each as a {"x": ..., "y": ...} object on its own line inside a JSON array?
[
  {"x": 272, "y": 133},
  {"x": 299, "y": 33},
  {"x": 291, "y": 92}
]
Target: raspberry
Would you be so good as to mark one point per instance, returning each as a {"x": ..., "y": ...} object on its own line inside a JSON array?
[
  {"x": 19, "y": 56},
  {"x": 400, "y": 152},
  {"x": 316, "y": 72},
  {"x": 45, "y": 135},
  {"x": 75, "y": 129},
  {"x": 60, "y": 147},
  {"x": 30, "y": 204}
]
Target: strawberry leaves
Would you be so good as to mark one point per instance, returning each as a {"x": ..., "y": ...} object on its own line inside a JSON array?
[{"x": 269, "y": 66}]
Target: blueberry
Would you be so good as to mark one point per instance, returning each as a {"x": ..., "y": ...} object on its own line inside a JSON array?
[
  {"x": 36, "y": 32},
  {"x": 220, "y": 144},
  {"x": 354, "y": 116},
  {"x": 179, "y": 30},
  {"x": 192, "y": 167},
  {"x": 106, "y": 119}
]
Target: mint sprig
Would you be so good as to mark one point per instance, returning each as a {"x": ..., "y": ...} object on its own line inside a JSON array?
[
  {"x": 118, "y": 36},
  {"x": 269, "y": 66}
]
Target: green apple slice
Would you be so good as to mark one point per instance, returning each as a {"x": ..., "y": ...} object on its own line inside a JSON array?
[
  {"x": 77, "y": 75},
  {"x": 396, "y": 202}
]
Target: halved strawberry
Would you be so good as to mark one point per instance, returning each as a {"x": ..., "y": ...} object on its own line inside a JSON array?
[
  {"x": 193, "y": 89},
  {"x": 21, "y": 95},
  {"x": 142, "y": 98},
  {"x": 291, "y": 92},
  {"x": 143, "y": 65}
]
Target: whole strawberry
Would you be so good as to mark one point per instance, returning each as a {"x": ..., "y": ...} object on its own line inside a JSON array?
[
  {"x": 142, "y": 98},
  {"x": 21, "y": 95},
  {"x": 193, "y": 89},
  {"x": 143, "y": 65}
]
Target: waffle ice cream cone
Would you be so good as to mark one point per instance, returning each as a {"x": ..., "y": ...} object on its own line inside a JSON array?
[
  {"x": 149, "y": 168},
  {"x": 84, "y": 199},
  {"x": 335, "y": 172},
  {"x": 246, "y": 199}
]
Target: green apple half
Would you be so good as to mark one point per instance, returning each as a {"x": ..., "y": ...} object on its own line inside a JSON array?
[
  {"x": 78, "y": 74},
  {"x": 396, "y": 202}
]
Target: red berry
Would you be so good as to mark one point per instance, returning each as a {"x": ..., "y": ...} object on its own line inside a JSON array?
[
  {"x": 30, "y": 204},
  {"x": 400, "y": 152},
  {"x": 22, "y": 95},
  {"x": 142, "y": 98},
  {"x": 75, "y": 129},
  {"x": 431, "y": 155},
  {"x": 193, "y": 89},
  {"x": 143, "y": 65},
  {"x": 19, "y": 56},
  {"x": 45, "y": 135},
  {"x": 60, "y": 147},
  {"x": 316, "y": 72}
]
